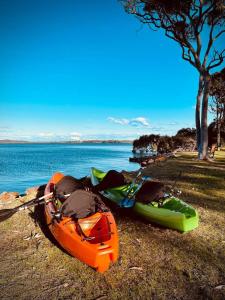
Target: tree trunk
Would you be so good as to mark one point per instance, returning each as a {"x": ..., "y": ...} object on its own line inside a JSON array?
[
  {"x": 204, "y": 117},
  {"x": 219, "y": 118},
  {"x": 218, "y": 126},
  {"x": 218, "y": 134},
  {"x": 197, "y": 113}
]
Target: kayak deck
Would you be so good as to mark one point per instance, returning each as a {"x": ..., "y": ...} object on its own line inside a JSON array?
[{"x": 174, "y": 213}]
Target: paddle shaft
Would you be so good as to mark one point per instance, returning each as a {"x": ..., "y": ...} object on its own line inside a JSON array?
[
  {"x": 32, "y": 202},
  {"x": 7, "y": 213},
  {"x": 133, "y": 183},
  {"x": 36, "y": 201}
]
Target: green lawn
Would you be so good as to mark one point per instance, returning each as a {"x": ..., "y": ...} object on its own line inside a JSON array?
[{"x": 155, "y": 263}]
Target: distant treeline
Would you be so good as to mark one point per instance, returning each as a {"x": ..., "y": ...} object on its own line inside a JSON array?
[{"x": 184, "y": 139}]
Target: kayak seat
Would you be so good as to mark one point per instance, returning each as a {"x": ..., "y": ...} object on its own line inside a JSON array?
[
  {"x": 110, "y": 180},
  {"x": 150, "y": 191},
  {"x": 67, "y": 185}
]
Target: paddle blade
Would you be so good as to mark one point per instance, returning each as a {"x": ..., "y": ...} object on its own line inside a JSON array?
[
  {"x": 146, "y": 178},
  {"x": 127, "y": 203},
  {"x": 6, "y": 214}
]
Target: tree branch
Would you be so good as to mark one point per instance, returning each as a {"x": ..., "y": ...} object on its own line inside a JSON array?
[
  {"x": 186, "y": 56},
  {"x": 210, "y": 43},
  {"x": 217, "y": 59},
  {"x": 219, "y": 34}
]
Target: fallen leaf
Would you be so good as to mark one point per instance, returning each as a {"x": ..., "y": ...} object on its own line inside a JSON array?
[
  {"x": 37, "y": 235},
  {"x": 136, "y": 268},
  {"x": 101, "y": 297},
  {"x": 219, "y": 287}
]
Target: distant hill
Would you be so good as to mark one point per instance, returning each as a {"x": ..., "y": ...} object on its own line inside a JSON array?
[
  {"x": 12, "y": 142},
  {"x": 69, "y": 142}
]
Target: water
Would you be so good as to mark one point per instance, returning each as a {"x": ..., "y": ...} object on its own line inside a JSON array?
[{"x": 26, "y": 165}]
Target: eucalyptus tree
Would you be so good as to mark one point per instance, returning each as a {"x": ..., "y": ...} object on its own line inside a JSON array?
[
  {"x": 185, "y": 138},
  {"x": 187, "y": 132},
  {"x": 217, "y": 91},
  {"x": 197, "y": 26},
  {"x": 165, "y": 144}
]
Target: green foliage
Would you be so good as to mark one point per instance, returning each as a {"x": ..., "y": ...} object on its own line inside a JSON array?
[
  {"x": 217, "y": 85},
  {"x": 186, "y": 132},
  {"x": 146, "y": 140},
  {"x": 212, "y": 132},
  {"x": 217, "y": 105},
  {"x": 185, "y": 138},
  {"x": 181, "y": 20}
]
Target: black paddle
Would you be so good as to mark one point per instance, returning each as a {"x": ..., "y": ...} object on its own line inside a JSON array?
[{"x": 7, "y": 213}]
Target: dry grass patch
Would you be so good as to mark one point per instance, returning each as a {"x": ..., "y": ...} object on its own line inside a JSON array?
[{"x": 155, "y": 262}]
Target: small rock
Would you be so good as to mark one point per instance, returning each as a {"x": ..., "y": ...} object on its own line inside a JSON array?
[
  {"x": 36, "y": 190},
  {"x": 32, "y": 190},
  {"x": 66, "y": 284},
  {"x": 7, "y": 196}
]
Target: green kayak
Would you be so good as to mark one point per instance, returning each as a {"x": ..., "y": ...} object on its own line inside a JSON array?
[{"x": 173, "y": 213}]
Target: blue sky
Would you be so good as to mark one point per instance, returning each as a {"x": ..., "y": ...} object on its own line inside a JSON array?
[{"x": 85, "y": 69}]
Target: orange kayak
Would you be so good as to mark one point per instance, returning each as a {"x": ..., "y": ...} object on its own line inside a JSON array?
[{"x": 93, "y": 240}]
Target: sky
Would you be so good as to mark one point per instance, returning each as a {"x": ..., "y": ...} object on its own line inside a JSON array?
[{"x": 73, "y": 70}]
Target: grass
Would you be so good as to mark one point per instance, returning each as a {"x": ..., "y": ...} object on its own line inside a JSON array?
[{"x": 154, "y": 263}]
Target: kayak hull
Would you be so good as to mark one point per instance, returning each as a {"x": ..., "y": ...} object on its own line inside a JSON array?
[
  {"x": 174, "y": 214},
  {"x": 97, "y": 255},
  {"x": 166, "y": 217}
]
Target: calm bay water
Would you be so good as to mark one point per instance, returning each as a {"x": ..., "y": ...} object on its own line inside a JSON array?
[{"x": 26, "y": 165}]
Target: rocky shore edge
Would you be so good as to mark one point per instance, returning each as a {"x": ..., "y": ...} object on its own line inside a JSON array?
[{"x": 7, "y": 198}]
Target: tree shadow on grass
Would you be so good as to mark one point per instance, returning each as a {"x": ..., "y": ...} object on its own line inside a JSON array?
[
  {"x": 202, "y": 183},
  {"x": 190, "y": 257},
  {"x": 206, "y": 201},
  {"x": 203, "y": 191}
]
